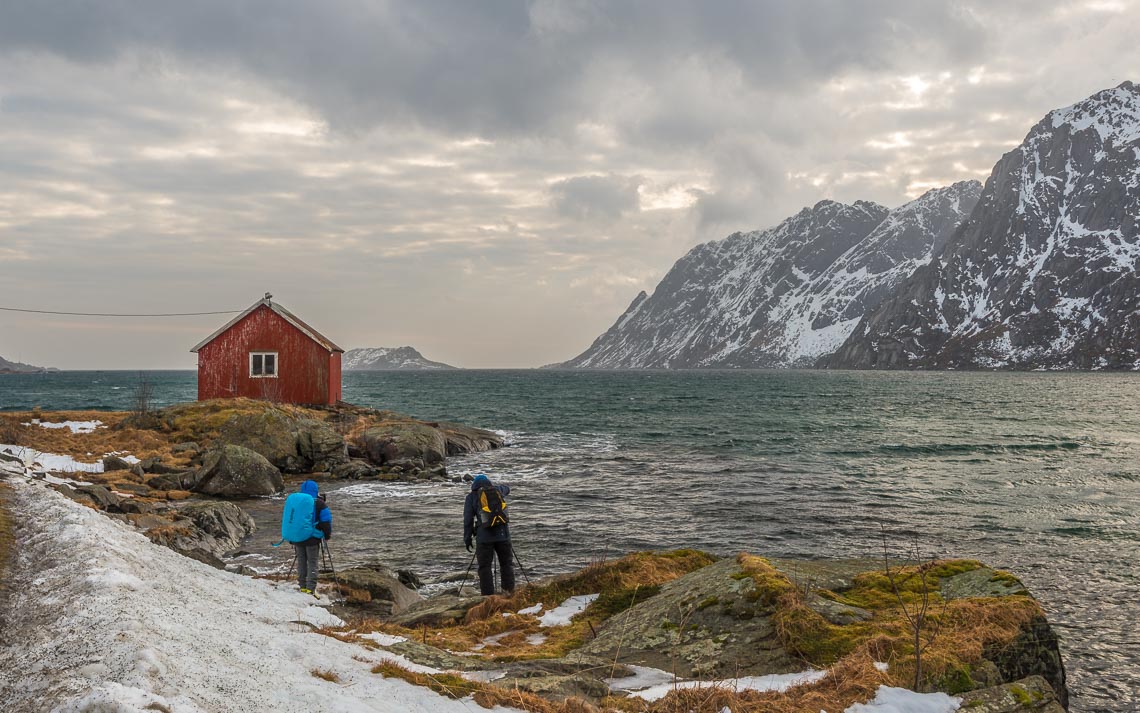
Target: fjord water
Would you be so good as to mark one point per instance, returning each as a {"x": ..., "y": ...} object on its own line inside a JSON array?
[{"x": 1031, "y": 472}]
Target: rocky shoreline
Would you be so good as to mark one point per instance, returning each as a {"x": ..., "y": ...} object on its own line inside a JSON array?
[
  {"x": 208, "y": 454},
  {"x": 829, "y": 633}
]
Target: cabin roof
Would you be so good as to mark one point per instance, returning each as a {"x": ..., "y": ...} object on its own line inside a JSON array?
[{"x": 284, "y": 314}]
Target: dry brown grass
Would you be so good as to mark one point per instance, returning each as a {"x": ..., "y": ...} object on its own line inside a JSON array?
[
  {"x": 7, "y": 534},
  {"x": 621, "y": 582},
  {"x": 326, "y": 674},
  {"x": 86, "y": 447},
  {"x": 486, "y": 695}
]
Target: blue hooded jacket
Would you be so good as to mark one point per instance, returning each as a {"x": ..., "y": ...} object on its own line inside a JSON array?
[
  {"x": 498, "y": 533},
  {"x": 322, "y": 516}
]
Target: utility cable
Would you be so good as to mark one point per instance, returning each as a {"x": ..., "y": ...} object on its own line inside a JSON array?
[{"x": 108, "y": 314}]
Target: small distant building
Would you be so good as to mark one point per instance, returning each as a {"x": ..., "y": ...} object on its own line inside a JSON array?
[{"x": 266, "y": 352}]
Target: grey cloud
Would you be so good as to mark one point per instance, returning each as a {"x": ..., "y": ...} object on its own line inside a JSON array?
[
  {"x": 595, "y": 197},
  {"x": 398, "y": 171}
]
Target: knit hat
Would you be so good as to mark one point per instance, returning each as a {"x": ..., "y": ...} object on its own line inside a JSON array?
[{"x": 481, "y": 481}]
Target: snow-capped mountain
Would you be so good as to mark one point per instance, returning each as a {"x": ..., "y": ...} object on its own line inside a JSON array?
[
  {"x": 386, "y": 359},
  {"x": 783, "y": 296},
  {"x": 1044, "y": 273}
]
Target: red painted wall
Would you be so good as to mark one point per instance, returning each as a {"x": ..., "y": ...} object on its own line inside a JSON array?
[{"x": 307, "y": 373}]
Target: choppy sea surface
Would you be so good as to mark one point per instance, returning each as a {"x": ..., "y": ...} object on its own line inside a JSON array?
[{"x": 1035, "y": 473}]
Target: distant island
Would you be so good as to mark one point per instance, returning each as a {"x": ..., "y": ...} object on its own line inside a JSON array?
[
  {"x": 15, "y": 367},
  {"x": 389, "y": 359}
]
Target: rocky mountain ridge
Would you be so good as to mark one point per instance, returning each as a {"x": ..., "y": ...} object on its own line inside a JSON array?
[
  {"x": 783, "y": 296},
  {"x": 388, "y": 359},
  {"x": 1038, "y": 269},
  {"x": 1045, "y": 274}
]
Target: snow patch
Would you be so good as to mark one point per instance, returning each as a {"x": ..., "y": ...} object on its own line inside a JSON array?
[
  {"x": 901, "y": 700},
  {"x": 564, "y": 612},
  {"x": 134, "y": 624}
]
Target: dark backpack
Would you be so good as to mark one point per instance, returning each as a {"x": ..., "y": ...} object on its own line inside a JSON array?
[{"x": 491, "y": 507}]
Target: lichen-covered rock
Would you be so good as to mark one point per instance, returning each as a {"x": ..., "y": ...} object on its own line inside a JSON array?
[
  {"x": 707, "y": 623},
  {"x": 235, "y": 472},
  {"x": 271, "y": 433},
  {"x": 1028, "y": 695},
  {"x": 319, "y": 446}
]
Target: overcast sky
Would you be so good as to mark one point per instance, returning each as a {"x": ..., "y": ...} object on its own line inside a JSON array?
[{"x": 490, "y": 182}]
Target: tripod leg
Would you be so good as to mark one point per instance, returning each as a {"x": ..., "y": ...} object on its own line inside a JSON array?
[
  {"x": 459, "y": 592},
  {"x": 521, "y": 568}
]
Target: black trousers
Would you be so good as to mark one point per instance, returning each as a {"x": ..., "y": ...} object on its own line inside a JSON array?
[{"x": 485, "y": 553}]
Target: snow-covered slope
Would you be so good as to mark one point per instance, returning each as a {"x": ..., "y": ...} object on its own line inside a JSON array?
[
  {"x": 103, "y": 620},
  {"x": 1046, "y": 271},
  {"x": 387, "y": 358},
  {"x": 783, "y": 296}
]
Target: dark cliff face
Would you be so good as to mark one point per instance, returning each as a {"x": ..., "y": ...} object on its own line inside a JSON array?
[
  {"x": 1044, "y": 273},
  {"x": 782, "y": 296}
]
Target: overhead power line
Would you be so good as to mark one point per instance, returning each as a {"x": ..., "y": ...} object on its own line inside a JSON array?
[{"x": 109, "y": 314}]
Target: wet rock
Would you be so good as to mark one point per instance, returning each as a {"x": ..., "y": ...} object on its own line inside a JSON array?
[
  {"x": 387, "y": 595},
  {"x": 467, "y": 439},
  {"x": 409, "y": 579},
  {"x": 407, "y": 444},
  {"x": 237, "y": 472},
  {"x": 354, "y": 470},
  {"x": 1035, "y": 652},
  {"x": 1028, "y": 695}
]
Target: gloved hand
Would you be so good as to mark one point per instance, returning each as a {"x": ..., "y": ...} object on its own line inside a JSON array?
[{"x": 467, "y": 542}]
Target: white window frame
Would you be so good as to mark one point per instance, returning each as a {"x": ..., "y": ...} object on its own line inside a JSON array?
[{"x": 276, "y": 365}]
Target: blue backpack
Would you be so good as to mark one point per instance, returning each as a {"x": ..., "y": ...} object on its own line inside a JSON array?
[{"x": 298, "y": 520}]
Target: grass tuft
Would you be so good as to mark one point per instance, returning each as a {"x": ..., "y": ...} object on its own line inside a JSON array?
[{"x": 326, "y": 674}]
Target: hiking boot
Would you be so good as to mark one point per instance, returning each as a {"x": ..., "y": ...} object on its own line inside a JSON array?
[{"x": 306, "y": 591}]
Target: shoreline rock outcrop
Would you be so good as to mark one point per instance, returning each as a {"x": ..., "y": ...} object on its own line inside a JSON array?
[{"x": 706, "y": 620}]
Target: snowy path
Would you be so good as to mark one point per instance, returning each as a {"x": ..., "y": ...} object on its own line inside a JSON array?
[{"x": 101, "y": 620}]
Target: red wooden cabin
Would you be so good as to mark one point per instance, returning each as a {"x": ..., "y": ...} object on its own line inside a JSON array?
[{"x": 266, "y": 352}]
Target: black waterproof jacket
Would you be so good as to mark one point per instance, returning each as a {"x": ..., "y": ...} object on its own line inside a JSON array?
[{"x": 498, "y": 533}]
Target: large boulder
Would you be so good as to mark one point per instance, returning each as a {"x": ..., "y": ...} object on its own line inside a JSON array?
[
  {"x": 467, "y": 439},
  {"x": 407, "y": 444},
  {"x": 235, "y": 472},
  {"x": 295, "y": 445},
  {"x": 271, "y": 433},
  {"x": 377, "y": 587},
  {"x": 320, "y": 446},
  {"x": 225, "y": 523}
]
